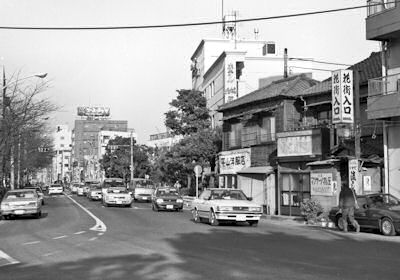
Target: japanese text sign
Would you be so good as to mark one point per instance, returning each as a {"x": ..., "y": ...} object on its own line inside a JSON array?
[
  {"x": 353, "y": 174},
  {"x": 342, "y": 96},
  {"x": 232, "y": 161},
  {"x": 230, "y": 92},
  {"x": 321, "y": 184}
]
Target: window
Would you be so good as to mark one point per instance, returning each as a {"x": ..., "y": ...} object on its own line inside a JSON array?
[
  {"x": 295, "y": 189},
  {"x": 268, "y": 129},
  {"x": 269, "y": 48},
  {"x": 235, "y": 135},
  {"x": 250, "y": 135}
]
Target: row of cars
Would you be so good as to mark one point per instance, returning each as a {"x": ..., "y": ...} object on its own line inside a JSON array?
[{"x": 27, "y": 201}]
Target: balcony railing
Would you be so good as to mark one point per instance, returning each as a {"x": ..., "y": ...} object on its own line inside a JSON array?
[
  {"x": 384, "y": 85},
  {"x": 379, "y": 6},
  {"x": 249, "y": 139}
]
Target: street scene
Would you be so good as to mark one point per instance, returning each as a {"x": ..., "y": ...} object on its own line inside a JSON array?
[{"x": 220, "y": 139}]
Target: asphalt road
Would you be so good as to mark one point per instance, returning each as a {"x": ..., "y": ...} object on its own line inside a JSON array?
[{"x": 137, "y": 243}]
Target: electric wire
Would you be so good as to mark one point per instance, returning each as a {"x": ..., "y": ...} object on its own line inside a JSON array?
[
  {"x": 318, "y": 61},
  {"x": 156, "y": 26}
]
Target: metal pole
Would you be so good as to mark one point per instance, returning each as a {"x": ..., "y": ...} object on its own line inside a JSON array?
[
  {"x": 5, "y": 150},
  {"x": 197, "y": 186},
  {"x": 132, "y": 168},
  {"x": 357, "y": 133}
]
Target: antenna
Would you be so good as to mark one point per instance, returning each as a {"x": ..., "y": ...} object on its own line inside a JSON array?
[{"x": 256, "y": 31}]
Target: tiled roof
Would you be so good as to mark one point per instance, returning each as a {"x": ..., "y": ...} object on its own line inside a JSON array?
[
  {"x": 369, "y": 68},
  {"x": 290, "y": 87}
]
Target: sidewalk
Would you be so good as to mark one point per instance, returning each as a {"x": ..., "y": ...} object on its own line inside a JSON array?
[{"x": 284, "y": 219}]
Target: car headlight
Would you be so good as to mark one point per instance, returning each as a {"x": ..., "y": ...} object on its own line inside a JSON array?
[
  {"x": 255, "y": 209},
  {"x": 159, "y": 200},
  {"x": 32, "y": 204},
  {"x": 4, "y": 206},
  {"x": 224, "y": 208},
  {"x": 179, "y": 200}
]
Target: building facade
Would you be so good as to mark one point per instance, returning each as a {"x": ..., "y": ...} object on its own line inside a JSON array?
[
  {"x": 61, "y": 165},
  {"x": 383, "y": 25}
]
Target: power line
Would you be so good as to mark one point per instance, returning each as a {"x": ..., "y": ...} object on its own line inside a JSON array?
[
  {"x": 318, "y": 61},
  {"x": 193, "y": 23},
  {"x": 309, "y": 68}
]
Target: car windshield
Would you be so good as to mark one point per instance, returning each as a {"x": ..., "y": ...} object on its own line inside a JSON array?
[
  {"x": 113, "y": 184},
  {"x": 13, "y": 195},
  {"x": 55, "y": 186},
  {"x": 228, "y": 194},
  {"x": 384, "y": 200},
  {"x": 167, "y": 192},
  {"x": 117, "y": 190}
]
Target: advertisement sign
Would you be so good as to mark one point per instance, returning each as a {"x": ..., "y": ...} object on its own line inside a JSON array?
[
  {"x": 342, "y": 97},
  {"x": 353, "y": 174},
  {"x": 88, "y": 111},
  {"x": 231, "y": 162},
  {"x": 295, "y": 146},
  {"x": 230, "y": 89},
  {"x": 321, "y": 184},
  {"x": 367, "y": 183}
]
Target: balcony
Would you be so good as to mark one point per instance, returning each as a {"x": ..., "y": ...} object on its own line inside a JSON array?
[
  {"x": 249, "y": 139},
  {"x": 384, "y": 97},
  {"x": 383, "y": 19}
]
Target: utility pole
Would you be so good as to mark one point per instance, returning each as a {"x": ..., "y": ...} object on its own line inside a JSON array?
[
  {"x": 3, "y": 127},
  {"x": 132, "y": 168},
  {"x": 285, "y": 64},
  {"x": 357, "y": 132}
]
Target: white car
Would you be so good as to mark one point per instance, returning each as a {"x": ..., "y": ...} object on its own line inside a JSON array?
[
  {"x": 216, "y": 205},
  {"x": 20, "y": 203},
  {"x": 118, "y": 196},
  {"x": 55, "y": 189}
]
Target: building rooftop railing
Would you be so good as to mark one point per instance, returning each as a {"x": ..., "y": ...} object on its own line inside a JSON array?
[
  {"x": 384, "y": 85},
  {"x": 379, "y": 6}
]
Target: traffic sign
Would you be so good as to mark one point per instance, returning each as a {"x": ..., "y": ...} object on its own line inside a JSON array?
[{"x": 198, "y": 170}]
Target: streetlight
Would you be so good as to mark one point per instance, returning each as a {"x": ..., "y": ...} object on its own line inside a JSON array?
[{"x": 6, "y": 102}]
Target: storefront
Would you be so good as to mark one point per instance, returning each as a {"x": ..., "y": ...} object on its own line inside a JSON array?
[{"x": 230, "y": 162}]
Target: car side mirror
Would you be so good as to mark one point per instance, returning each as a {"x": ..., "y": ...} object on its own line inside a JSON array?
[{"x": 250, "y": 199}]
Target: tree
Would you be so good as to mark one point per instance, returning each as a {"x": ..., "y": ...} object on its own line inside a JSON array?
[
  {"x": 190, "y": 113},
  {"x": 25, "y": 111}
]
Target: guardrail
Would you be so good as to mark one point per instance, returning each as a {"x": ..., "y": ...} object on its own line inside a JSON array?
[{"x": 187, "y": 201}]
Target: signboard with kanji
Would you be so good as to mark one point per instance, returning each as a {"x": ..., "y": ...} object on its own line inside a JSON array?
[
  {"x": 321, "y": 184},
  {"x": 230, "y": 90},
  {"x": 342, "y": 97},
  {"x": 232, "y": 161},
  {"x": 353, "y": 174}
]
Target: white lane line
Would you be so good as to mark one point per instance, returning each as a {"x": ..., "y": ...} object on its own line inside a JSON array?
[
  {"x": 8, "y": 259},
  {"x": 93, "y": 238},
  {"x": 50, "y": 254},
  {"x": 59, "y": 237},
  {"x": 99, "y": 226},
  {"x": 79, "y": 232},
  {"x": 100, "y": 233},
  {"x": 31, "y": 243}
]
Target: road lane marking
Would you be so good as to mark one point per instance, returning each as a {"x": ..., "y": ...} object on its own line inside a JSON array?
[
  {"x": 31, "y": 243},
  {"x": 50, "y": 254},
  {"x": 9, "y": 260},
  {"x": 59, "y": 237},
  {"x": 99, "y": 226},
  {"x": 79, "y": 232},
  {"x": 93, "y": 239},
  {"x": 100, "y": 233}
]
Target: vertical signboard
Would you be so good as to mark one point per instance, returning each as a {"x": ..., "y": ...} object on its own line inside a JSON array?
[
  {"x": 342, "y": 97},
  {"x": 353, "y": 174},
  {"x": 230, "y": 89}
]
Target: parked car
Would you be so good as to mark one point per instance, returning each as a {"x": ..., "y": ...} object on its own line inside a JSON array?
[
  {"x": 74, "y": 187},
  {"x": 20, "y": 203},
  {"x": 55, "y": 189},
  {"x": 376, "y": 211},
  {"x": 217, "y": 205},
  {"x": 95, "y": 192},
  {"x": 118, "y": 196},
  {"x": 111, "y": 183},
  {"x": 38, "y": 190},
  {"x": 166, "y": 199}
]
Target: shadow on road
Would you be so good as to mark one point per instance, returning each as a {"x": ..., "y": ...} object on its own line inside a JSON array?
[{"x": 222, "y": 253}]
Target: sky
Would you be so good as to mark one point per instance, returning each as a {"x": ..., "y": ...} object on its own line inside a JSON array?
[{"x": 136, "y": 72}]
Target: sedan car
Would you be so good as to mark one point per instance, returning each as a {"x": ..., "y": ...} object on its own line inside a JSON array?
[
  {"x": 376, "y": 211},
  {"x": 55, "y": 189},
  {"x": 39, "y": 192},
  {"x": 20, "y": 203},
  {"x": 79, "y": 190},
  {"x": 94, "y": 193},
  {"x": 118, "y": 196},
  {"x": 217, "y": 205},
  {"x": 166, "y": 199}
]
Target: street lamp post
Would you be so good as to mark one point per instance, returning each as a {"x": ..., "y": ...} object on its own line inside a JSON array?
[{"x": 6, "y": 103}]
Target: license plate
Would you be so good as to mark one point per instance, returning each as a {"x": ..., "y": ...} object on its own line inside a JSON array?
[
  {"x": 119, "y": 202},
  {"x": 241, "y": 218},
  {"x": 170, "y": 206},
  {"x": 19, "y": 212},
  {"x": 144, "y": 197}
]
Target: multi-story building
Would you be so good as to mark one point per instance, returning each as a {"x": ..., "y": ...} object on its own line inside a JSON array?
[
  {"x": 61, "y": 166},
  {"x": 383, "y": 25},
  {"x": 227, "y": 68},
  {"x": 86, "y": 146}
]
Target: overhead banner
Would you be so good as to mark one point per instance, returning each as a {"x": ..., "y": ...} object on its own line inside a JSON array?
[{"x": 342, "y": 97}]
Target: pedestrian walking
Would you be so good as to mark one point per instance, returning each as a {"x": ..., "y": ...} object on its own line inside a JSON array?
[
  {"x": 347, "y": 204},
  {"x": 177, "y": 185}
]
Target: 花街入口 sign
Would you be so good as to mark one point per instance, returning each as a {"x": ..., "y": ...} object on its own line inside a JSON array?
[
  {"x": 321, "y": 184},
  {"x": 342, "y": 97}
]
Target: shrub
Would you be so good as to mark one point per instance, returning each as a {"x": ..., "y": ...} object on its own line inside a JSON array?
[{"x": 310, "y": 210}]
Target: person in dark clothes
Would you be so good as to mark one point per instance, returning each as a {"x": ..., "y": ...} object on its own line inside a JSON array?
[{"x": 347, "y": 204}]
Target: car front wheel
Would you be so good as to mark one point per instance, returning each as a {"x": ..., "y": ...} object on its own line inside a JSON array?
[
  {"x": 213, "y": 219},
  {"x": 387, "y": 227},
  {"x": 340, "y": 223},
  {"x": 196, "y": 216}
]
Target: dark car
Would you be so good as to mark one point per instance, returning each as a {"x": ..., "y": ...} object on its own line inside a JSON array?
[
  {"x": 166, "y": 199},
  {"x": 376, "y": 211}
]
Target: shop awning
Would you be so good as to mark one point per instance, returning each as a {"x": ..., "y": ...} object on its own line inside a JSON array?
[
  {"x": 323, "y": 162},
  {"x": 257, "y": 170}
]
